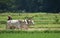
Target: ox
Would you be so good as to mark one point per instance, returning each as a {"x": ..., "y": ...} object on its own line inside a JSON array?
[{"x": 19, "y": 24}]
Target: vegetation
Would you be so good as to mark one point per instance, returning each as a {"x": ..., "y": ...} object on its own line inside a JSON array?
[
  {"x": 34, "y": 34},
  {"x": 21, "y": 9},
  {"x": 25, "y": 31},
  {"x": 29, "y": 6},
  {"x": 41, "y": 19}
]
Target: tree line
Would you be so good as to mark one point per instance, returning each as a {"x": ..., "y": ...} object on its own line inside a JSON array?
[{"x": 30, "y": 6}]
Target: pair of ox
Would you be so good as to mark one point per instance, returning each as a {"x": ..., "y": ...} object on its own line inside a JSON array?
[{"x": 19, "y": 24}]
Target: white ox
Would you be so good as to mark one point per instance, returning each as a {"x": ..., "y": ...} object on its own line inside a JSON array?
[{"x": 19, "y": 24}]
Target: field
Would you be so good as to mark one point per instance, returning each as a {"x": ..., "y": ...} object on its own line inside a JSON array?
[
  {"x": 30, "y": 35},
  {"x": 47, "y": 21},
  {"x": 41, "y": 19}
]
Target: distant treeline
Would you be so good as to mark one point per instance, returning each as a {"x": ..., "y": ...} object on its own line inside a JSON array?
[{"x": 30, "y": 6}]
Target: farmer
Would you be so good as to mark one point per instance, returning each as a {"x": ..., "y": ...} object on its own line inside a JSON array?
[{"x": 9, "y": 18}]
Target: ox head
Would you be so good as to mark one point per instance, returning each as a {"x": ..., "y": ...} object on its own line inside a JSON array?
[{"x": 29, "y": 21}]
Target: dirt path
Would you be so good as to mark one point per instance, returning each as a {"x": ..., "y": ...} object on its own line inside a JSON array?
[{"x": 39, "y": 29}]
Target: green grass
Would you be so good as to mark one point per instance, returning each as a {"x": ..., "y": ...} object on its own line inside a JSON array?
[
  {"x": 30, "y": 35},
  {"x": 41, "y": 19}
]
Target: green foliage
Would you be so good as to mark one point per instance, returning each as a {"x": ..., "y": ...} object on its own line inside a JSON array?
[
  {"x": 29, "y": 6},
  {"x": 29, "y": 34},
  {"x": 40, "y": 19},
  {"x": 56, "y": 20},
  {"x": 3, "y": 22},
  {"x": 22, "y": 31}
]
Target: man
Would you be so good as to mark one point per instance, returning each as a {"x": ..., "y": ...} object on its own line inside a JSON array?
[{"x": 9, "y": 18}]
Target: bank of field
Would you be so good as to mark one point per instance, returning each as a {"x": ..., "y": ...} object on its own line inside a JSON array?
[
  {"x": 41, "y": 19},
  {"x": 30, "y": 35}
]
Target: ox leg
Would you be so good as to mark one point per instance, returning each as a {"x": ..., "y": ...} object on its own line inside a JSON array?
[
  {"x": 25, "y": 27},
  {"x": 21, "y": 27},
  {"x": 18, "y": 27},
  {"x": 7, "y": 27},
  {"x": 12, "y": 27}
]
